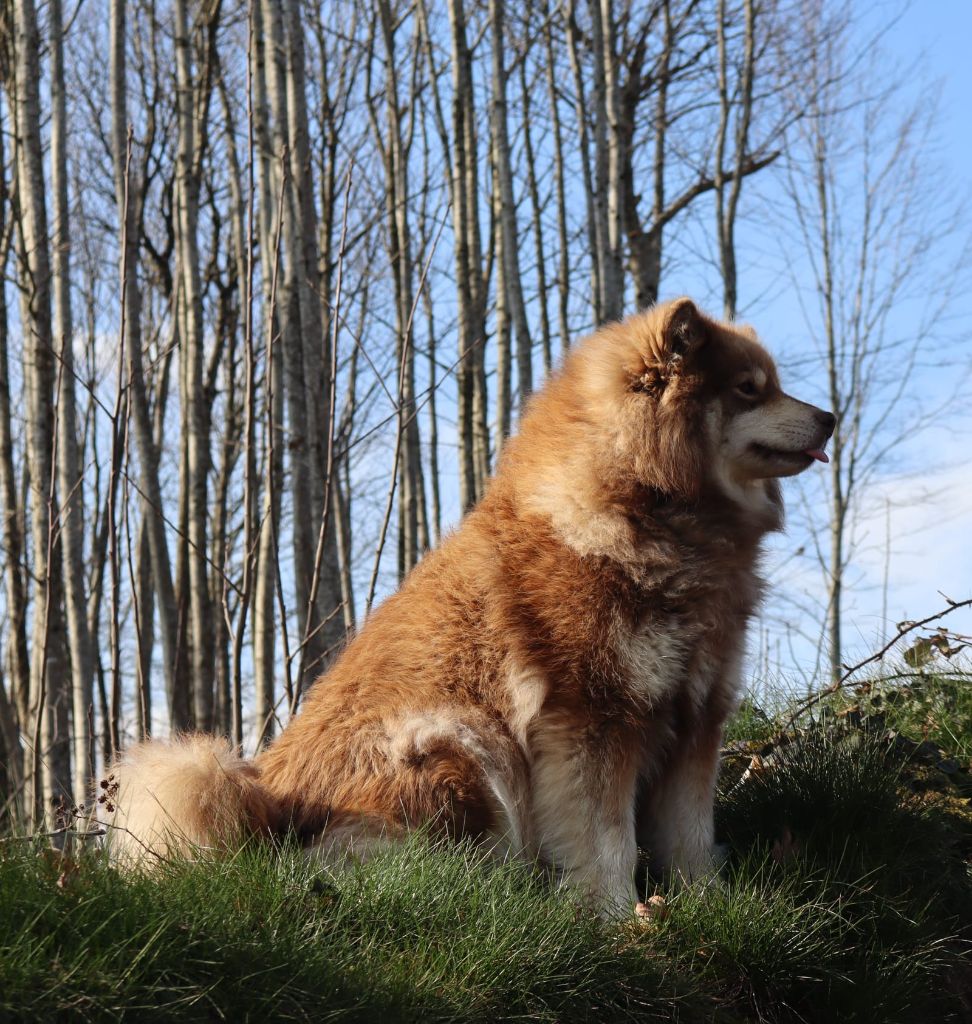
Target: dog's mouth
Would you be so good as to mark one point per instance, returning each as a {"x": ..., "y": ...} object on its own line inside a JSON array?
[{"x": 803, "y": 457}]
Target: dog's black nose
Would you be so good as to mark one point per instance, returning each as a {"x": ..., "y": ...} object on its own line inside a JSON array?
[{"x": 827, "y": 420}]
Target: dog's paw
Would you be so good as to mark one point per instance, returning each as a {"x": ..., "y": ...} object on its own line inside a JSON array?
[{"x": 655, "y": 909}]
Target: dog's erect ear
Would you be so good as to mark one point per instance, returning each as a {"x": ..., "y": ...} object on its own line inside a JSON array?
[{"x": 683, "y": 330}]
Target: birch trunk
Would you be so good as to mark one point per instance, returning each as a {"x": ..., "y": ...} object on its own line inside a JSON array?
[
  {"x": 176, "y": 684},
  {"x": 268, "y": 550},
  {"x": 580, "y": 113},
  {"x": 395, "y": 153},
  {"x": 503, "y": 329},
  {"x": 832, "y": 346},
  {"x": 727, "y": 193},
  {"x": 646, "y": 244},
  {"x": 460, "y": 208},
  {"x": 325, "y": 632},
  {"x": 69, "y": 467},
  {"x": 563, "y": 264},
  {"x": 295, "y": 373},
  {"x": 145, "y": 591},
  {"x": 13, "y": 540},
  {"x": 242, "y": 216},
  {"x": 218, "y": 598},
  {"x": 195, "y": 399},
  {"x": 425, "y": 242},
  {"x": 507, "y": 206},
  {"x": 537, "y": 222},
  {"x": 51, "y": 772},
  {"x": 607, "y": 162}
]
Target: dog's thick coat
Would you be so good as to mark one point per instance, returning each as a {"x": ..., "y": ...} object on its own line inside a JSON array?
[{"x": 554, "y": 679}]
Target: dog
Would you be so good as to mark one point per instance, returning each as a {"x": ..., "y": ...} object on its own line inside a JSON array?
[{"x": 553, "y": 680}]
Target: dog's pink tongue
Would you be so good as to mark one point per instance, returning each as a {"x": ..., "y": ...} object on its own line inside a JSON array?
[{"x": 818, "y": 453}]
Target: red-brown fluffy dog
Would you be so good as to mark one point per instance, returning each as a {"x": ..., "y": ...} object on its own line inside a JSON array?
[{"x": 554, "y": 679}]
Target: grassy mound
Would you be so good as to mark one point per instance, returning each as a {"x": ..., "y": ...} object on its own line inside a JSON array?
[
  {"x": 421, "y": 934},
  {"x": 844, "y": 897}
]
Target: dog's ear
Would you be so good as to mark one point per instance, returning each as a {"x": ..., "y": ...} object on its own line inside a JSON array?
[{"x": 683, "y": 330}]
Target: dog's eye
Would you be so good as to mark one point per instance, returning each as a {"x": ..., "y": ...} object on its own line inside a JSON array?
[{"x": 747, "y": 389}]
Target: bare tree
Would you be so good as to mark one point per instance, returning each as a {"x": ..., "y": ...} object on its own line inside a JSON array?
[
  {"x": 69, "y": 472},
  {"x": 506, "y": 206},
  {"x": 126, "y": 190},
  {"x": 474, "y": 455},
  {"x": 861, "y": 186},
  {"x": 15, "y": 586},
  {"x": 51, "y": 769},
  {"x": 190, "y": 101},
  {"x": 727, "y": 198},
  {"x": 607, "y": 160},
  {"x": 413, "y": 531},
  {"x": 268, "y": 553}
]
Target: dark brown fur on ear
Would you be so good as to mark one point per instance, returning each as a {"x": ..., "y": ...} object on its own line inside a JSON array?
[{"x": 684, "y": 330}]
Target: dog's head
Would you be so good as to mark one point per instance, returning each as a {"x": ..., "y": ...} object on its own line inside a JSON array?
[{"x": 696, "y": 406}]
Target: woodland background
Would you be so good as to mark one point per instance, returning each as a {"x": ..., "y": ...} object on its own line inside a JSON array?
[{"x": 279, "y": 276}]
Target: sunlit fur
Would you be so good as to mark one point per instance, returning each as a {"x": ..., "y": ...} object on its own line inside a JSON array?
[{"x": 553, "y": 680}]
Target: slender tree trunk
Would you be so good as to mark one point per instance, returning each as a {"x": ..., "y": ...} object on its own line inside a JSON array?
[
  {"x": 430, "y": 344},
  {"x": 580, "y": 112},
  {"x": 563, "y": 273},
  {"x": 195, "y": 398},
  {"x": 395, "y": 152},
  {"x": 176, "y": 684},
  {"x": 537, "y": 222},
  {"x": 503, "y": 331},
  {"x": 342, "y": 520},
  {"x": 607, "y": 146},
  {"x": 242, "y": 219},
  {"x": 727, "y": 204},
  {"x": 49, "y": 695},
  {"x": 507, "y": 205},
  {"x": 69, "y": 467},
  {"x": 646, "y": 245},
  {"x": 13, "y": 539},
  {"x": 474, "y": 251},
  {"x": 326, "y": 629},
  {"x": 838, "y": 503},
  {"x": 146, "y": 642},
  {"x": 264, "y": 608},
  {"x": 470, "y": 336},
  {"x": 296, "y": 304}
]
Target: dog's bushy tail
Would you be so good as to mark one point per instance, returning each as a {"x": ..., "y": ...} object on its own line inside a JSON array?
[{"x": 193, "y": 792}]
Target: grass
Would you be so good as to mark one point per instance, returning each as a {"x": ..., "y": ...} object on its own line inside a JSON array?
[
  {"x": 418, "y": 935},
  {"x": 844, "y": 896}
]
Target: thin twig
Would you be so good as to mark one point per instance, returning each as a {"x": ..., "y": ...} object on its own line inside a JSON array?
[
  {"x": 329, "y": 466},
  {"x": 904, "y": 630}
]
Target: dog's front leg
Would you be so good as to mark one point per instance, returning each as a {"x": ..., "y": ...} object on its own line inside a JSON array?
[
  {"x": 583, "y": 803},
  {"x": 676, "y": 824}
]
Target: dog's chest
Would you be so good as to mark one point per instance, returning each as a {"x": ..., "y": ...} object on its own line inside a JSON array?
[
  {"x": 688, "y": 650},
  {"x": 653, "y": 659}
]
